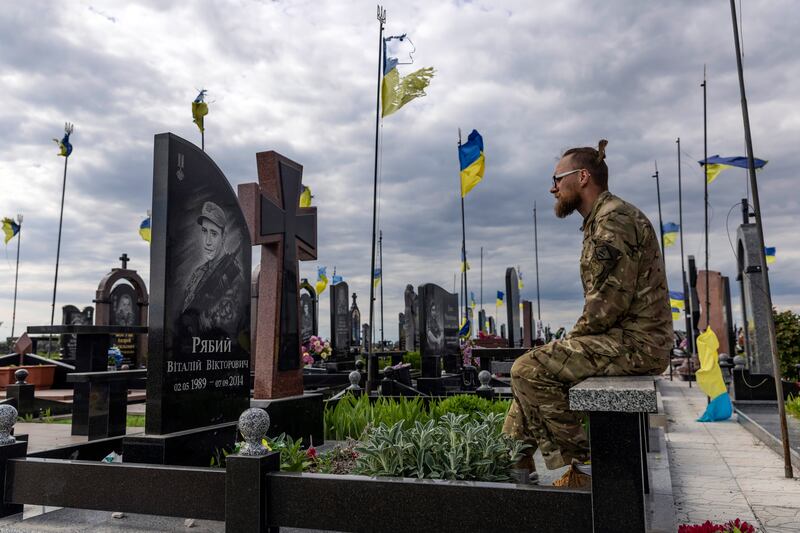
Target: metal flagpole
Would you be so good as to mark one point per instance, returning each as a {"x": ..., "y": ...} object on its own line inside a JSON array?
[
  {"x": 536, "y": 255},
  {"x": 371, "y": 365},
  {"x": 686, "y": 306},
  {"x": 463, "y": 242},
  {"x": 16, "y": 276},
  {"x": 481, "y": 278},
  {"x": 380, "y": 258},
  {"x": 705, "y": 194},
  {"x": 68, "y": 128},
  {"x": 660, "y": 221},
  {"x": 787, "y": 465}
]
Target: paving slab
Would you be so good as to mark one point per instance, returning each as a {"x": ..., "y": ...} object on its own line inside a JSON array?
[{"x": 720, "y": 471}]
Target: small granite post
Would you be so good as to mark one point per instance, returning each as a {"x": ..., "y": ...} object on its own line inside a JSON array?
[{"x": 10, "y": 448}]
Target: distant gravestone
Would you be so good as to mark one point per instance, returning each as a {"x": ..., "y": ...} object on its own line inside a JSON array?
[
  {"x": 124, "y": 312},
  {"x": 527, "y": 324},
  {"x": 198, "y": 371},
  {"x": 411, "y": 320},
  {"x": 122, "y": 300},
  {"x": 340, "y": 319},
  {"x": 401, "y": 341},
  {"x": 483, "y": 324},
  {"x": 355, "y": 323},
  {"x": 366, "y": 337},
  {"x": 438, "y": 327},
  {"x": 308, "y": 311},
  {"x": 503, "y": 331},
  {"x": 512, "y": 309},
  {"x": 492, "y": 326},
  {"x": 72, "y": 316}
]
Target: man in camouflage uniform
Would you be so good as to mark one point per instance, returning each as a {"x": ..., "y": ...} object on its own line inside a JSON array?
[{"x": 626, "y": 325}]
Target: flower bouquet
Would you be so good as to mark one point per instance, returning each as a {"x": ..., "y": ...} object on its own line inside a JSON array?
[{"x": 316, "y": 349}]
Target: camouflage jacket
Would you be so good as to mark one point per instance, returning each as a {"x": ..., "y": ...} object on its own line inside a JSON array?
[{"x": 624, "y": 283}]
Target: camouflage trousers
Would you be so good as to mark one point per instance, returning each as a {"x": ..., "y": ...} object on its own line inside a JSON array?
[{"x": 540, "y": 381}]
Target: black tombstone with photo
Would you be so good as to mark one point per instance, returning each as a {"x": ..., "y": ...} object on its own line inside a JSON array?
[
  {"x": 438, "y": 329},
  {"x": 72, "y": 316},
  {"x": 340, "y": 319},
  {"x": 198, "y": 371},
  {"x": 124, "y": 312},
  {"x": 512, "y": 309},
  {"x": 308, "y": 311}
]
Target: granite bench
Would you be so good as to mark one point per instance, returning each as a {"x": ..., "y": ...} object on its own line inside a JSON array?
[
  {"x": 618, "y": 408},
  {"x": 103, "y": 412}
]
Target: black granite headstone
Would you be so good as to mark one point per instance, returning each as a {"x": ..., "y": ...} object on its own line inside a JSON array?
[
  {"x": 492, "y": 326},
  {"x": 308, "y": 311},
  {"x": 72, "y": 316},
  {"x": 198, "y": 371},
  {"x": 483, "y": 324},
  {"x": 355, "y": 323},
  {"x": 438, "y": 321},
  {"x": 340, "y": 319},
  {"x": 401, "y": 326},
  {"x": 512, "y": 309},
  {"x": 503, "y": 331},
  {"x": 124, "y": 312}
]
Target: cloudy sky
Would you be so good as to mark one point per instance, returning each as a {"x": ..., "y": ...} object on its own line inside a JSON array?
[{"x": 300, "y": 78}]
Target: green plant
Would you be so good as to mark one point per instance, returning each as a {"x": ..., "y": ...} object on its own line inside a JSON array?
[
  {"x": 468, "y": 404},
  {"x": 787, "y": 335},
  {"x": 793, "y": 406},
  {"x": 414, "y": 358},
  {"x": 452, "y": 447},
  {"x": 353, "y": 415},
  {"x": 293, "y": 457},
  {"x": 340, "y": 460}
]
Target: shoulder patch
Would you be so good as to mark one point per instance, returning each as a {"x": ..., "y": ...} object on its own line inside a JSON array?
[{"x": 607, "y": 253}]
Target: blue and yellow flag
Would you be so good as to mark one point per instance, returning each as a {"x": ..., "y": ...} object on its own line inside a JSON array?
[
  {"x": 472, "y": 162},
  {"x": 769, "y": 251},
  {"x": 709, "y": 379},
  {"x": 670, "y": 231},
  {"x": 144, "y": 229},
  {"x": 336, "y": 278},
  {"x": 10, "y": 228},
  {"x": 500, "y": 296},
  {"x": 676, "y": 303},
  {"x": 472, "y": 303},
  {"x": 322, "y": 280},
  {"x": 64, "y": 146},
  {"x": 520, "y": 285},
  {"x": 396, "y": 91},
  {"x": 465, "y": 328},
  {"x": 717, "y": 164},
  {"x": 464, "y": 263},
  {"x": 305, "y": 196},
  {"x": 376, "y": 278},
  {"x": 200, "y": 110}
]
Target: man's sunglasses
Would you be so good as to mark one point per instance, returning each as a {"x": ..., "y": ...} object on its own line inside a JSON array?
[{"x": 558, "y": 177}]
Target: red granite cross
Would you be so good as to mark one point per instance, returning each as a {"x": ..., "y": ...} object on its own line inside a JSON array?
[{"x": 287, "y": 233}]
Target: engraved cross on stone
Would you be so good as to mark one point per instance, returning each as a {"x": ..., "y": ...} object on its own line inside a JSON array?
[
  {"x": 288, "y": 234},
  {"x": 124, "y": 258}
]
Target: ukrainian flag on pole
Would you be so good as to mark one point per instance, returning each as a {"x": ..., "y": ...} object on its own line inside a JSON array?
[
  {"x": 322, "y": 280},
  {"x": 717, "y": 164},
  {"x": 709, "y": 379},
  {"x": 500, "y": 297},
  {"x": 144, "y": 229},
  {"x": 396, "y": 91},
  {"x": 676, "y": 302},
  {"x": 472, "y": 161},
  {"x": 769, "y": 251},
  {"x": 670, "y": 230}
]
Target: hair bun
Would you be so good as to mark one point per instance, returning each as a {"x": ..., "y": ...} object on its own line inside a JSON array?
[{"x": 601, "y": 150}]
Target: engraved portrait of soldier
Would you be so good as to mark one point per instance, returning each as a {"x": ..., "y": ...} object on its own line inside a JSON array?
[
  {"x": 434, "y": 328},
  {"x": 213, "y": 293}
]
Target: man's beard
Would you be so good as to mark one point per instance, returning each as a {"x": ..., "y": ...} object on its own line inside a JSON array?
[{"x": 567, "y": 204}]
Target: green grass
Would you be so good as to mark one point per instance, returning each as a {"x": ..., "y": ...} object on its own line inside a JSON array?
[
  {"x": 134, "y": 421},
  {"x": 793, "y": 406}
]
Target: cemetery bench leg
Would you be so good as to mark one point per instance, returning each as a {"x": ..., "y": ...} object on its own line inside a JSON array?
[
  {"x": 644, "y": 428},
  {"x": 99, "y": 396},
  {"x": 245, "y": 492},
  {"x": 117, "y": 408},
  {"x": 617, "y": 482}
]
